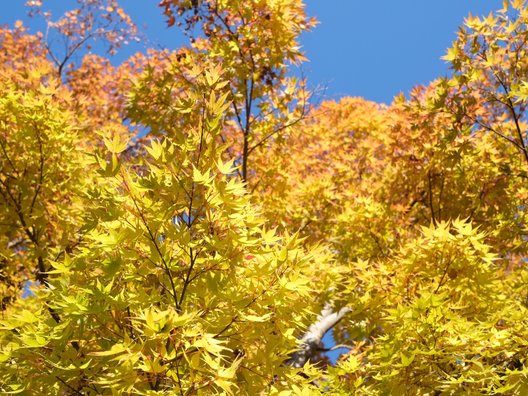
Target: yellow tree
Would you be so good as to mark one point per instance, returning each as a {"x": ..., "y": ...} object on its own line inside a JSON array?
[
  {"x": 173, "y": 275},
  {"x": 41, "y": 163},
  {"x": 177, "y": 280},
  {"x": 256, "y": 42},
  {"x": 47, "y": 128},
  {"x": 187, "y": 261}
]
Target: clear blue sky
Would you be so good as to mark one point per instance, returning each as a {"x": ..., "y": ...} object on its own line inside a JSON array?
[
  {"x": 378, "y": 48},
  {"x": 373, "y": 49}
]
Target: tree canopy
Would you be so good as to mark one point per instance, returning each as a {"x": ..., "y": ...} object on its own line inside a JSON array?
[{"x": 190, "y": 222}]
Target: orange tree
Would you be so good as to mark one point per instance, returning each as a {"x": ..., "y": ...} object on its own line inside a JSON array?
[{"x": 423, "y": 203}]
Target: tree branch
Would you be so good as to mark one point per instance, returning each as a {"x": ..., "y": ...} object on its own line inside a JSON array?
[{"x": 311, "y": 340}]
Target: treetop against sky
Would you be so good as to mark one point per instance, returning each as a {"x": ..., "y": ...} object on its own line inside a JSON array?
[{"x": 360, "y": 48}]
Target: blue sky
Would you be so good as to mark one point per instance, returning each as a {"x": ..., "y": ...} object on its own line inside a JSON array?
[
  {"x": 378, "y": 48},
  {"x": 373, "y": 49}
]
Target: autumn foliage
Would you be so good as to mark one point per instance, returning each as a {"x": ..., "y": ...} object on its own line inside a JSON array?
[{"x": 187, "y": 222}]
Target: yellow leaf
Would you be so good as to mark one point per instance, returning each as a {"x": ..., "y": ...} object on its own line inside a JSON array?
[
  {"x": 283, "y": 254},
  {"x": 225, "y": 168},
  {"x": 256, "y": 318},
  {"x": 116, "y": 145},
  {"x": 209, "y": 344},
  {"x": 114, "y": 350}
]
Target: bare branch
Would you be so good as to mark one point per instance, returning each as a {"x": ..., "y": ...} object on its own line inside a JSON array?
[{"x": 311, "y": 341}]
